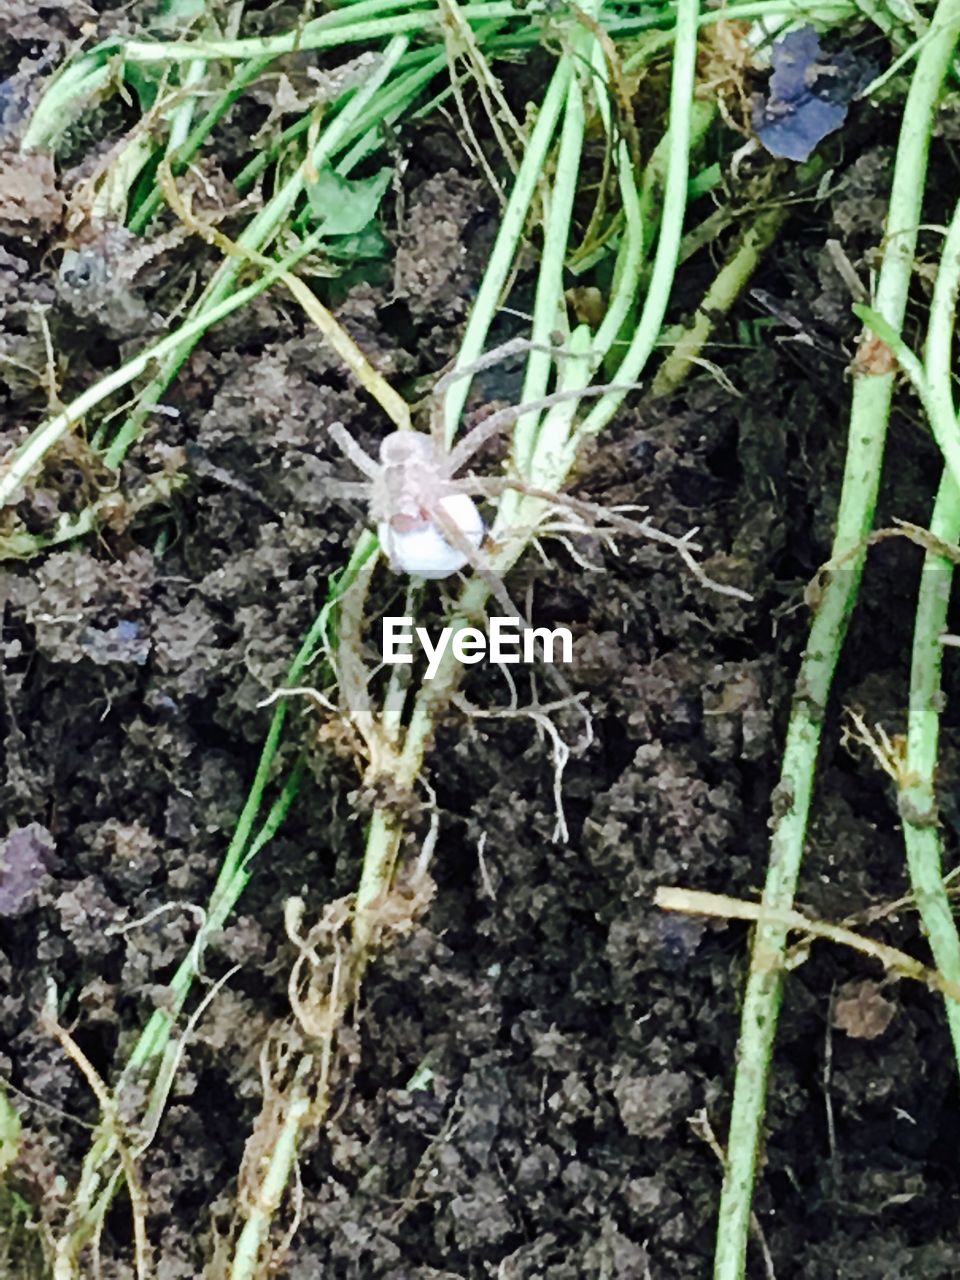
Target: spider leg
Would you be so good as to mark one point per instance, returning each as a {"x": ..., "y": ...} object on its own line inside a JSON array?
[
  {"x": 595, "y": 511},
  {"x": 443, "y": 384},
  {"x": 514, "y": 347},
  {"x": 479, "y": 563},
  {"x": 359, "y": 457},
  {"x": 349, "y": 489},
  {"x": 463, "y": 451},
  {"x": 477, "y": 560},
  {"x": 496, "y": 486},
  {"x": 477, "y": 436}
]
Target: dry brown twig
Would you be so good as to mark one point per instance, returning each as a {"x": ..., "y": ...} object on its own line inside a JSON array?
[
  {"x": 695, "y": 902},
  {"x": 110, "y": 1112}
]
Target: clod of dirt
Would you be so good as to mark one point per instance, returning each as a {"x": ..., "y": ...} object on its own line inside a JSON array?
[
  {"x": 82, "y": 607},
  {"x": 14, "y": 105},
  {"x": 100, "y": 275},
  {"x": 862, "y": 1011},
  {"x": 432, "y": 256},
  {"x": 124, "y": 642},
  {"x": 26, "y": 856},
  {"x": 30, "y": 201},
  {"x": 651, "y": 1105},
  {"x": 861, "y": 201},
  {"x": 22, "y": 20},
  {"x": 86, "y": 914}
]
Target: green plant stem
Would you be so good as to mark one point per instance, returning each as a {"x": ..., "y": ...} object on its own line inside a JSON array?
[
  {"x": 255, "y": 237},
  {"x": 341, "y": 27},
  {"x": 385, "y": 830},
  {"x": 418, "y": 68},
  {"x": 181, "y": 151},
  {"x": 686, "y": 345},
  {"x": 21, "y": 545},
  {"x": 235, "y": 870},
  {"x": 328, "y": 32},
  {"x": 892, "y": 27},
  {"x": 681, "y": 115},
  {"x": 550, "y": 464},
  {"x": 91, "y": 1198},
  {"x": 29, "y": 454},
  {"x": 75, "y": 82},
  {"x": 867, "y": 432},
  {"x": 791, "y": 11},
  {"x": 549, "y": 309},
  {"x": 563, "y": 93},
  {"x": 936, "y": 397},
  {"x": 220, "y": 298},
  {"x": 917, "y": 795},
  {"x": 353, "y": 23},
  {"x": 271, "y": 1187},
  {"x": 627, "y": 269},
  {"x": 512, "y": 223}
]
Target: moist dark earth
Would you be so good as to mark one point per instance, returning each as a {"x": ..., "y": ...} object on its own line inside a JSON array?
[{"x": 580, "y": 1043}]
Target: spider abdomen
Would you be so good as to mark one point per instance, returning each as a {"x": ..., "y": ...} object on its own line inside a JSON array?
[{"x": 424, "y": 549}]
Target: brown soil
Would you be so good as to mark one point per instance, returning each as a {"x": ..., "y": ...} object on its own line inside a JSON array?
[{"x": 573, "y": 1034}]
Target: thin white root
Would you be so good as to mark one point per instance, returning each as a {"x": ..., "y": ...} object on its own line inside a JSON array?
[
  {"x": 430, "y": 839},
  {"x": 539, "y": 714},
  {"x": 484, "y": 873},
  {"x": 562, "y": 504},
  {"x": 300, "y": 691}
]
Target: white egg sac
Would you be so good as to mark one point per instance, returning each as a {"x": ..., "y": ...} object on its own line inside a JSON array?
[{"x": 425, "y": 552}]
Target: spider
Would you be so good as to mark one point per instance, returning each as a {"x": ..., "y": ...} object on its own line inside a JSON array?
[
  {"x": 424, "y": 511},
  {"x": 428, "y": 525},
  {"x": 426, "y": 519}
]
